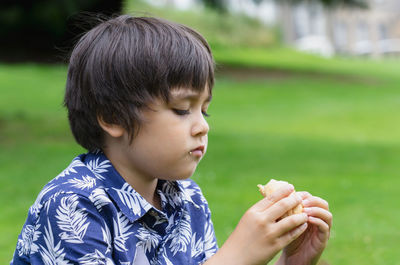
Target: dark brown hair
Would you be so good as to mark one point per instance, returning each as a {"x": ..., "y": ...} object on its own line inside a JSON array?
[{"x": 121, "y": 65}]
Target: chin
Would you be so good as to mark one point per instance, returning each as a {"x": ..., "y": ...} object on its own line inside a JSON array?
[
  {"x": 175, "y": 178},
  {"x": 183, "y": 175}
]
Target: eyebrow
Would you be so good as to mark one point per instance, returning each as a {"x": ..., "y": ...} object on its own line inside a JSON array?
[{"x": 188, "y": 95}]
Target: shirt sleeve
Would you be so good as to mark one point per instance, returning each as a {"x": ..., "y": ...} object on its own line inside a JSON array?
[{"x": 70, "y": 230}]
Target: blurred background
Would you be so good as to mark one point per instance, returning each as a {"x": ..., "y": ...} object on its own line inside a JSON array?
[{"x": 306, "y": 91}]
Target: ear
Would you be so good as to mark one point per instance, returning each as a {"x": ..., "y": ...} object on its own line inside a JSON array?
[{"x": 113, "y": 130}]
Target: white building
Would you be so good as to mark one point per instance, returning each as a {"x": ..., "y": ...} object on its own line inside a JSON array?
[
  {"x": 372, "y": 32},
  {"x": 309, "y": 26}
]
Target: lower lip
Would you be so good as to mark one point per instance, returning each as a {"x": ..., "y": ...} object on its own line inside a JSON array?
[{"x": 197, "y": 153}]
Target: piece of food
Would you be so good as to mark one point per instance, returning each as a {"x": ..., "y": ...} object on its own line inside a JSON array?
[{"x": 271, "y": 187}]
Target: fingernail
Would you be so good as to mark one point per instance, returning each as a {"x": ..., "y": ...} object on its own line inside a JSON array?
[{"x": 303, "y": 226}]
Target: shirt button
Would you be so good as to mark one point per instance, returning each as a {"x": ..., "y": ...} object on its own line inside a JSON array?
[{"x": 153, "y": 213}]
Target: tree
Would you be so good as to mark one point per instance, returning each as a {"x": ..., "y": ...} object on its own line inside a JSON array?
[
  {"x": 219, "y": 5},
  {"x": 37, "y": 30},
  {"x": 333, "y": 3}
]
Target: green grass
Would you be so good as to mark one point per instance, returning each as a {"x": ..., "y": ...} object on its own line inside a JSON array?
[
  {"x": 338, "y": 140},
  {"x": 283, "y": 58},
  {"x": 337, "y": 137},
  {"x": 35, "y": 144}
]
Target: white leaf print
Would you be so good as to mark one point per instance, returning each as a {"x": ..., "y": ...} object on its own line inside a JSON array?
[
  {"x": 52, "y": 254},
  {"x": 181, "y": 234},
  {"x": 26, "y": 245},
  {"x": 210, "y": 244},
  {"x": 95, "y": 258},
  {"x": 173, "y": 196},
  {"x": 166, "y": 259},
  {"x": 71, "y": 168},
  {"x": 99, "y": 198},
  {"x": 97, "y": 168},
  {"x": 71, "y": 220},
  {"x": 149, "y": 238},
  {"x": 196, "y": 246},
  {"x": 107, "y": 237},
  {"x": 132, "y": 199},
  {"x": 155, "y": 261},
  {"x": 190, "y": 191},
  {"x": 85, "y": 183},
  {"x": 171, "y": 223},
  {"x": 37, "y": 206},
  {"x": 121, "y": 234},
  {"x": 190, "y": 188},
  {"x": 52, "y": 198}
]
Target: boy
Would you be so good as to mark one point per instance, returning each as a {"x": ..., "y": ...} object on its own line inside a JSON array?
[{"x": 137, "y": 94}]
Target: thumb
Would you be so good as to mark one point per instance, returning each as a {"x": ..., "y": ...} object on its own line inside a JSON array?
[{"x": 277, "y": 195}]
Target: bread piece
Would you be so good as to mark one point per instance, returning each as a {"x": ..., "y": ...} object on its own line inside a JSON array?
[{"x": 271, "y": 187}]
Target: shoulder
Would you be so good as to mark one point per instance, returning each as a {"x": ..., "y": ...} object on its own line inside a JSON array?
[
  {"x": 68, "y": 225},
  {"x": 77, "y": 180}
]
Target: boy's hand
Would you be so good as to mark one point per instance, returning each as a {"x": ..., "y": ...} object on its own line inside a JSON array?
[
  {"x": 259, "y": 237},
  {"x": 308, "y": 248}
]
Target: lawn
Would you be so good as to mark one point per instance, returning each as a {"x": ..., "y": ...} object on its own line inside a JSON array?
[{"x": 328, "y": 129}]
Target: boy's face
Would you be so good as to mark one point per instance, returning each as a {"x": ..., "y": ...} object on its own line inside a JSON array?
[{"x": 173, "y": 137}]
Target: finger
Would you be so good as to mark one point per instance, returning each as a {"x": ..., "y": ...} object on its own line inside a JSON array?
[
  {"x": 291, "y": 222},
  {"x": 320, "y": 213},
  {"x": 292, "y": 235},
  {"x": 262, "y": 205},
  {"x": 304, "y": 194},
  {"x": 280, "y": 193},
  {"x": 279, "y": 208},
  {"x": 322, "y": 226},
  {"x": 314, "y": 201}
]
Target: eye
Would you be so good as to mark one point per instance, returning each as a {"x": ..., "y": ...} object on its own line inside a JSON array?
[
  {"x": 205, "y": 114},
  {"x": 181, "y": 112}
]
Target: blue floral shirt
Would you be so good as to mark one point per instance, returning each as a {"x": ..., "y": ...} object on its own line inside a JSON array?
[{"x": 90, "y": 215}]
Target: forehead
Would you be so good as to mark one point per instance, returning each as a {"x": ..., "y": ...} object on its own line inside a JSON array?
[{"x": 188, "y": 94}]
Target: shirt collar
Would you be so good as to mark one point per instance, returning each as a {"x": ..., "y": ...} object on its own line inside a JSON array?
[{"x": 128, "y": 200}]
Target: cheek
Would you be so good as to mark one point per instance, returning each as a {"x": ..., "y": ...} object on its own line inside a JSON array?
[
  {"x": 163, "y": 144},
  {"x": 170, "y": 135},
  {"x": 169, "y": 140}
]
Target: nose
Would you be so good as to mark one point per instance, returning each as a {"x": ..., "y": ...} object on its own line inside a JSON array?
[{"x": 200, "y": 126}]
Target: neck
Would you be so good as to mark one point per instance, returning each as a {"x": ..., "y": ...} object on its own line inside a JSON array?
[{"x": 144, "y": 185}]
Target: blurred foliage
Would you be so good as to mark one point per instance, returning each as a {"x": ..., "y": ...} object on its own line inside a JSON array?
[
  {"x": 219, "y": 5},
  {"x": 333, "y": 3},
  {"x": 220, "y": 29},
  {"x": 33, "y": 29}
]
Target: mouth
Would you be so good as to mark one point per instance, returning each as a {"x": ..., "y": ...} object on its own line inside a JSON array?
[{"x": 198, "y": 151}]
